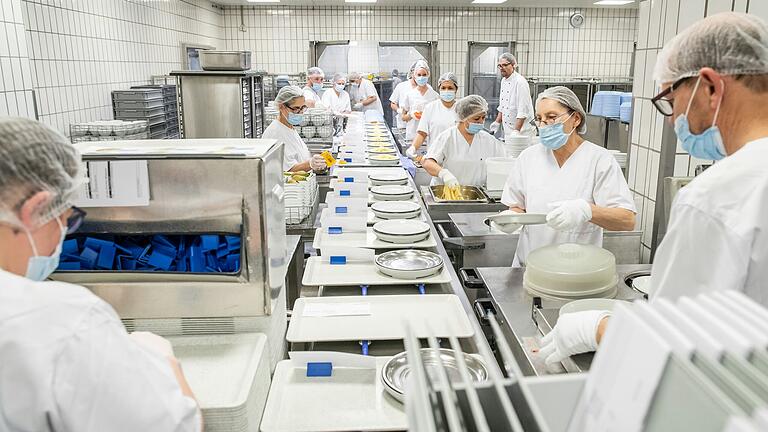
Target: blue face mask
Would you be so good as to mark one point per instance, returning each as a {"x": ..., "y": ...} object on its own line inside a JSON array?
[
  {"x": 706, "y": 145},
  {"x": 317, "y": 87},
  {"x": 295, "y": 119},
  {"x": 422, "y": 80},
  {"x": 553, "y": 136},
  {"x": 474, "y": 128},
  {"x": 40, "y": 267},
  {"x": 447, "y": 95},
  {"x": 339, "y": 87}
]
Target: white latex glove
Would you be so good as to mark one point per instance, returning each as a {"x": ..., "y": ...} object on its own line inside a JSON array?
[
  {"x": 411, "y": 152},
  {"x": 515, "y": 132},
  {"x": 509, "y": 228},
  {"x": 574, "y": 333},
  {"x": 317, "y": 163},
  {"x": 401, "y": 111},
  {"x": 358, "y": 106},
  {"x": 495, "y": 127},
  {"x": 567, "y": 215},
  {"x": 153, "y": 342},
  {"x": 448, "y": 178}
]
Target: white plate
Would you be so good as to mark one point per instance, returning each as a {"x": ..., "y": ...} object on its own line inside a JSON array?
[
  {"x": 590, "y": 304},
  {"x": 395, "y": 209},
  {"x": 642, "y": 284},
  {"x": 401, "y": 228},
  {"x": 401, "y": 239},
  {"x": 395, "y": 190},
  {"x": 517, "y": 218},
  {"x": 388, "y": 177}
]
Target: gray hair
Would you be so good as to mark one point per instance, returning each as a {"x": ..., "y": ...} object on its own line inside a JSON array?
[
  {"x": 568, "y": 99},
  {"x": 508, "y": 57},
  {"x": 315, "y": 71}
]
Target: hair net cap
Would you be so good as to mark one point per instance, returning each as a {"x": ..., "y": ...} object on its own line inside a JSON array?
[
  {"x": 508, "y": 57},
  {"x": 315, "y": 71},
  {"x": 470, "y": 106},
  {"x": 35, "y": 158},
  {"x": 568, "y": 99},
  {"x": 354, "y": 76},
  {"x": 730, "y": 43},
  {"x": 421, "y": 64},
  {"x": 448, "y": 76},
  {"x": 287, "y": 94},
  {"x": 339, "y": 76}
]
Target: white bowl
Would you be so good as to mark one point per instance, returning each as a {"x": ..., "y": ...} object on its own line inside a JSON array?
[
  {"x": 401, "y": 239},
  {"x": 401, "y": 228},
  {"x": 590, "y": 304}
]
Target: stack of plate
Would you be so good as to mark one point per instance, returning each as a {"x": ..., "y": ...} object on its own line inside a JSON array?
[
  {"x": 621, "y": 158},
  {"x": 607, "y": 103},
  {"x": 391, "y": 178},
  {"x": 392, "y": 192},
  {"x": 319, "y": 116},
  {"x": 514, "y": 145},
  {"x": 625, "y": 112},
  {"x": 401, "y": 231},
  {"x": 384, "y": 160},
  {"x": 409, "y": 264},
  {"x": 308, "y": 131},
  {"x": 381, "y": 150},
  {"x": 395, "y": 372},
  {"x": 396, "y": 209}
]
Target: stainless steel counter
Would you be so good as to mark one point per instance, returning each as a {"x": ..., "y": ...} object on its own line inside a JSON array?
[{"x": 514, "y": 306}]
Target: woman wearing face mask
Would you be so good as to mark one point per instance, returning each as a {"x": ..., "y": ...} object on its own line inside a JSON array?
[
  {"x": 438, "y": 115},
  {"x": 67, "y": 362},
  {"x": 291, "y": 108},
  {"x": 338, "y": 98},
  {"x": 577, "y": 184},
  {"x": 415, "y": 100},
  {"x": 457, "y": 156},
  {"x": 313, "y": 91}
]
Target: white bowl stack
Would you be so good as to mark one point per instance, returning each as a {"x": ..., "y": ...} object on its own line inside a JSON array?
[
  {"x": 299, "y": 199},
  {"x": 319, "y": 116},
  {"x": 308, "y": 131},
  {"x": 514, "y": 145}
]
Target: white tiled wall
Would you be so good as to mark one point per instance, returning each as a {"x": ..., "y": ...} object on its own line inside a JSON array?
[
  {"x": 73, "y": 53},
  {"x": 15, "y": 75},
  {"x": 659, "y": 21},
  {"x": 547, "y": 45}
]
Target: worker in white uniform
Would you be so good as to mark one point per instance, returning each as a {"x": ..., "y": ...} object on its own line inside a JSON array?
[
  {"x": 515, "y": 105},
  {"x": 313, "y": 91},
  {"x": 457, "y": 156},
  {"x": 714, "y": 83},
  {"x": 66, "y": 361},
  {"x": 438, "y": 116},
  {"x": 398, "y": 93},
  {"x": 396, "y": 78},
  {"x": 415, "y": 100},
  {"x": 296, "y": 156},
  {"x": 577, "y": 184},
  {"x": 364, "y": 94},
  {"x": 337, "y": 99}
]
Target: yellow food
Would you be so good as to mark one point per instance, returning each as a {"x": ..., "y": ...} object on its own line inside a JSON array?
[
  {"x": 381, "y": 150},
  {"x": 452, "y": 193},
  {"x": 384, "y": 157}
]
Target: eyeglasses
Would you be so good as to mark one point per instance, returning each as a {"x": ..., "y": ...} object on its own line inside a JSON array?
[
  {"x": 296, "y": 110},
  {"x": 663, "y": 105},
  {"x": 503, "y": 65},
  {"x": 550, "y": 119},
  {"x": 75, "y": 220}
]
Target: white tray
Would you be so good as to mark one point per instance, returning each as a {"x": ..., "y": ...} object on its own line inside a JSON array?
[
  {"x": 318, "y": 273},
  {"x": 349, "y": 400},
  {"x": 365, "y": 239},
  {"x": 440, "y": 313}
]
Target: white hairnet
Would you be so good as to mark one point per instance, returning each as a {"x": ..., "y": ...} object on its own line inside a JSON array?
[
  {"x": 508, "y": 57},
  {"x": 287, "y": 94},
  {"x": 339, "y": 76},
  {"x": 35, "y": 158},
  {"x": 471, "y": 105},
  {"x": 568, "y": 99},
  {"x": 448, "y": 76},
  {"x": 354, "y": 76},
  {"x": 410, "y": 71},
  {"x": 421, "y": 64},
  {"x": 314, "y": 71},
  {"x": 730, "y": 43}
]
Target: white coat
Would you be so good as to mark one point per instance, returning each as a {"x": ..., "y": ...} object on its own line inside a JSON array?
[
  {"x": 515, "y": 103},
  {"x": 717, "y": 238},
  {"x": 295, "y": 150},
  {"x": 436, "y": 119},
  {"x": 397, "y": 95},
  {"x": 413, "y": 102},
  {"x": 363, "y": 92},
  {"x": 467, "y": 162},
  {"x": 311, "y": 95},
  {"x": 69, "y": 365},
  {"x": 338, "y": 103},
  {"x": 590, "y": 173}
]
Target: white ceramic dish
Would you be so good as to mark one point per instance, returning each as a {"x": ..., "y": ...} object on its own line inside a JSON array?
[
  {"x": 401, "y": 228},
  {"x": 409, "y": 264},
  {"x": 401, "y": 239},
  {"x": 392, "y": 192},
  {"x": 396, "y": 209},
  {"x": 380, "y": 179},
  {"x": 590, "y": 304},
  {"x": 517, "y": 218},
  {"x": 642, "y": 284}
]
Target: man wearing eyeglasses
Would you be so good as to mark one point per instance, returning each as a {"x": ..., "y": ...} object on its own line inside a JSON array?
[
  {"x": 515, "y": 104},
  {"x": 714, "y": 88},
  {"x": 67, "y": 362}
]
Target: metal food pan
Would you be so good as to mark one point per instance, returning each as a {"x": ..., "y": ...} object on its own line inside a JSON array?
[
  {"x": 225, "y": 60},
  {"x": 471, "y": 193}
]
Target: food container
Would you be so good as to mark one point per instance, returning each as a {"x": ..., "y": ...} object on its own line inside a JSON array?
[
  {"x": 409, "y": 263},
  {"x": 571, "y": 271},
  {"x": 384, "y": 160},
  {"x": 225, "y": 60},
  {"x": 395, "y": 372},
  {"x": 471, "y": 194},
  {"x": 401, "y": 231}
]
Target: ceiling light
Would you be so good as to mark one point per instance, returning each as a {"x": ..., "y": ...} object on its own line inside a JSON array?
[
  {"x": 360, "y": 1},
  {"x": 263, "y": 1},
  {"x": 488, "y": 1},
  {"x": 613, "y": 2}
]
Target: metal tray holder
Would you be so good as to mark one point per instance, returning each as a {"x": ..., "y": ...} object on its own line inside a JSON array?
[{"x": 295, "y": 215}]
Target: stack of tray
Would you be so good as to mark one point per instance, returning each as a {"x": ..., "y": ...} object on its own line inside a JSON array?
[
  {"x": 155, "y": 104},
  {"x": 170, "y": 103}
]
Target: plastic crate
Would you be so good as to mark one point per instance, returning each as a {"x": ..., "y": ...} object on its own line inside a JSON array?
[
  {"x": 137, "y": 94},
  {"x": 139, "y": 113},
  {"x": 138, "y": 104}
]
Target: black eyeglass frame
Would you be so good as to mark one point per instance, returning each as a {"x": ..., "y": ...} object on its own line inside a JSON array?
[{"x": 665, "y": 106}]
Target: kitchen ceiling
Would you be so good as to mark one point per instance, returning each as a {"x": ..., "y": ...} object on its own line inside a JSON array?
[{"x": 446, "y": 3}]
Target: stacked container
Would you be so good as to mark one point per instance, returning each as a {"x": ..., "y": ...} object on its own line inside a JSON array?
[
  {"x": 170, "y": 103},
  {"x": 154, "y": 104}
]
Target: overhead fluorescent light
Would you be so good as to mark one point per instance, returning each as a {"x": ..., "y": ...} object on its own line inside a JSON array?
[
  {"x": 488, "y": 1},
  {"x": 613, "y": 2},
  {"x": 360, "y": 1},
  {"x": 263, "y": 1}
]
